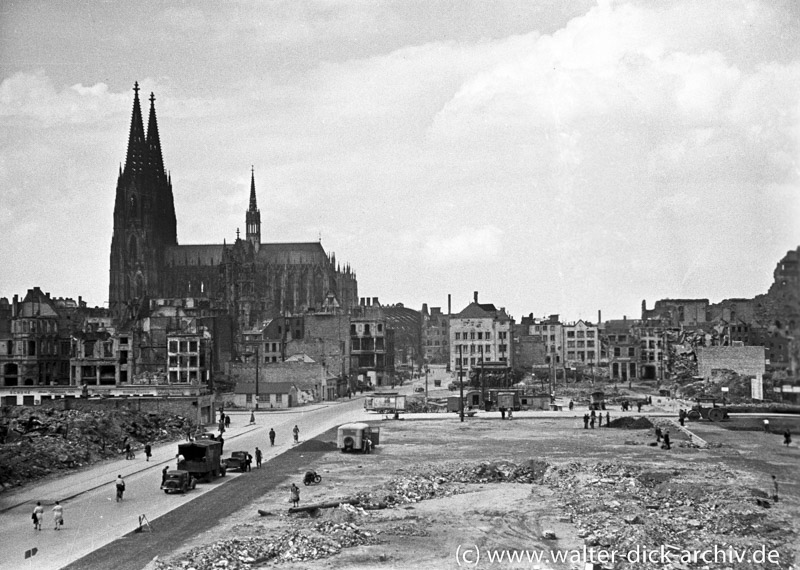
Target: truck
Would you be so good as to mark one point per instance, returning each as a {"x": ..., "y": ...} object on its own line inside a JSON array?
[
  {"x": 385, "y": 403},
  {"x": 354, "y": 437},
  {"x": 202, "y": 459}
]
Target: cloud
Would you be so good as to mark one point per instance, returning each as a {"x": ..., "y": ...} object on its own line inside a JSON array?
[{"x": 481, "y": 245}]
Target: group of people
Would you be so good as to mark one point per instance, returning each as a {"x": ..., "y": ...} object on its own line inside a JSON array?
[
  {"x": 38, "y": 516},
  {"x": 663, "y": 435},
  {"x": 589, "y": 419}
]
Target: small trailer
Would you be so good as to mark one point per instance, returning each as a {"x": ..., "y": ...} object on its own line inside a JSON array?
[{"x": 385, "y": 403}]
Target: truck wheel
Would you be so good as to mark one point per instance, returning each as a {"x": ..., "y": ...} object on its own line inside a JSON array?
[{"x": 693, "y": 415}]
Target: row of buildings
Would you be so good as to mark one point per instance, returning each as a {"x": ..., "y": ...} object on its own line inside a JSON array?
[{"x": 280, "y": 323}]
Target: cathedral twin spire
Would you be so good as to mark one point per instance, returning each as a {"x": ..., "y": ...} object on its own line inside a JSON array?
[{"x": 253, "y": 216}]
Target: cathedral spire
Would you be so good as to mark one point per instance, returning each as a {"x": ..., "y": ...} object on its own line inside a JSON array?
[
  {"x": 154, "y": 157},
  {"x": 253, "y": 205},
  {"x": 134, "y": 163},
  {"x": 253, "y": 215}
]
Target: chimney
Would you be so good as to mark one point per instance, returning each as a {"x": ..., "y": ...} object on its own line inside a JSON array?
[
  {"x": 449, "y": 311},
  {"x": 425, "y": 308},
  {"x": 599, "y": 317},
  {"x": 363, "y": 302},
  {"x": 475, "y": 296},
  {"x": 14, "y": 306},
  {"x": 624, "y": 318},
  {"x": 375, "y": 302}
]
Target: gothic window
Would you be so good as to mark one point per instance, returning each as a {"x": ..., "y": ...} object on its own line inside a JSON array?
[
  {"x": 132, "y": 250},
  {"x": 132, "y": 205}
]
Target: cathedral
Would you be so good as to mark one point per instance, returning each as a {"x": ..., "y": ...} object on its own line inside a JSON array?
[{"x": 249, "y": 280}]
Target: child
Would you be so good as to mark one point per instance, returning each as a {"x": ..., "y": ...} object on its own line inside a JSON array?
[{"x": 295, "y": 492}]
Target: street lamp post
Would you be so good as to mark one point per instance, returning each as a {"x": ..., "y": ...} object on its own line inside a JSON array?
[{"x": 257, "y": 351}]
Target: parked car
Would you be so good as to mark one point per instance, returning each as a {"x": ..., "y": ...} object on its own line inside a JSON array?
[
  {"x": 237, "y": 460},
  {"x": 178, "y": 481},
  {"x": 419, "y": 389}
]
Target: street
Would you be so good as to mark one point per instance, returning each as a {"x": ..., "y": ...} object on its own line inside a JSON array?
[{"x": 93, "y": 519}]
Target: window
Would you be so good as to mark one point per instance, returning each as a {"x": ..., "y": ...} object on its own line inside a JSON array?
[
  {"x": 480, "y": 336},
  {"x": 617, "y": 351},
  {"x": 472, "y": 335},
  {"x": 193, "y": 346},
  {"x": 488, "y": 336},
  {"x": 580, "y": 334},
  {"x": 458, "y": 336},
  {"x": 570, "y": 344},
  {"x": 366, "y": 329},
  {"x": 173, "y": 360},
  {"x": 581, "y": 344},
  {"x": 589, "y": 334},
  {"x": 380, "y": 328},
  {"x": 589, "y": 344},
  {"x": 631, "y": 351},
  {"x": 570, "y": 334}
]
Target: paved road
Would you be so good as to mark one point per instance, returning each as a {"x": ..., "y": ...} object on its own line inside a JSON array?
[{"x": 93, "y": 519}]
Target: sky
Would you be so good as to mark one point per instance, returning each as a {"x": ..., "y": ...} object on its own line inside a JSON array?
[{"x": 559, "y": 157}]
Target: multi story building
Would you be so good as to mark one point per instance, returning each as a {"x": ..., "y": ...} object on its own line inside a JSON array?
[
  {"x": 622, "y": 350},
  {"x": 581, "y": 343},
  {"x": 188, "y": 356},
  {"x": 478, "y": 334},
  {"x": 435, "y": 335},
  {"x": 371, "y": 347}
]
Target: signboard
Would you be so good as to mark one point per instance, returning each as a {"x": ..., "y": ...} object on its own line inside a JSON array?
[{"x": 724, "y": 388}]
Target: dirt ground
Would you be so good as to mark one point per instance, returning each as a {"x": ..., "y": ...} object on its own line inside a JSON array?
[{"x": 460, "y": 493}]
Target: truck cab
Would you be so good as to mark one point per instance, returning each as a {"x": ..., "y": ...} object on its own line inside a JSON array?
[{"x": 354, "y": 437}]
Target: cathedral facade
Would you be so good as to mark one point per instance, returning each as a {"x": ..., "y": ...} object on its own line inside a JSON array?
[{"x": 249, "y": 280}]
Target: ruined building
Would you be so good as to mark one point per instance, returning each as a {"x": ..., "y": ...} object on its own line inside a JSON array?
[{"x": 250, "y": 280}]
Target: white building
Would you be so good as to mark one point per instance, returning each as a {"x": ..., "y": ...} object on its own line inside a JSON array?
[{"x": 480, "y": 333}]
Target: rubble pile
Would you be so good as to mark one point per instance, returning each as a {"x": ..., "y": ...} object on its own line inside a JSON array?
[
  {"x": 631, "y": 423},
  {"x": 448, "y": 479},
  {"x": 626, "y": 507},
  {"x": 37, "y": 442},
  {"x": 321, "y": 540}
]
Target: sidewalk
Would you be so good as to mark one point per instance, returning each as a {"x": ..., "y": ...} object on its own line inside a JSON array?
[{"x": 65, "y": 486}]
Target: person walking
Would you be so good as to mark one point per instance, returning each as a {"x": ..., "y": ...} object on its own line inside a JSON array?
[
  {"x": 295, "y": 494},
  {"x": 252, "y": 418},
  {"x": 228, "y": 421},
  {"x": 58, "y": 515},
  {"x": 682, "y": 417},
  {"x": 38, "y": 515},
  {"x": 571, "y": 404},
  {"x": 164, "y": 474},
  {"x": 585, "y": 421},
  {"x": 666, "y": 440},
  {"x": 658, "y": 434},
  {"x": 766, "y": 425},
  {"x": 148, "y": 451},
  {"x": 608, "y": 419},
  {"x": 120, "y": 485},
  {"x": 258, "y": 458},
  {"x": 787, "y": 437},
  {"x": 221, "y": 442},
  {"x": 599, "y": 420},
  {"x": 271, "y": 437},
  {"x": 249, "y": 462},
  {"x": 128, "y": 451},
  {"x": 591, "y": 421},
  {"x": 296, "y": 432}
]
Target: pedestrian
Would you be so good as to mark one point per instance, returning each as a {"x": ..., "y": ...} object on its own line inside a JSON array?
[
  {"x": 164, "y": 474},
  {"x": 252, "y": 418},
  {"x": 120, "y": 485},
  {"x": 682, "y": 417},
  {"x": 502, "y": 413},
  {"x": 639, "y": 407},
  {"x": 128, "y": 451},
  {"x": 249, "y": 462},
  {"x": 228, "y": 421},
  {"x": 188, "y": 433},
  {"x": 258, "y": 458},
  {"x": 148, "y": 451},
  {"x": 585, "y": 421},
  {"x": 222, "y": 426},
  {"x": 179, "y": 458},
  {"x": 38, "y": 515},
  {"x": 221, "y": 442},
  {"x": 766, "y": 425},
  {"x": 787, "y": 437},
  {"x": 295, "y": 494},
  {"x": 367, "y": 445},
  {"x": 666, "y": 440},
  {"x": 296, "y": 432},
  {"x": 571, "y": 405},
  {"x": 599, "y": 420},
  {"x": 774, "y": 489},
  {"x": 608, "y": 419},
  {"x": 272, "y": 437},
  {"x": 58, "y": 515},
  {"x": 509, "y": 413}
]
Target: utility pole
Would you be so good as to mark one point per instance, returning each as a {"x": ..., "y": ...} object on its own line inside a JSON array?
[
  {"x": 257, "y": 352},
  {"x": 461, "y": 380}
]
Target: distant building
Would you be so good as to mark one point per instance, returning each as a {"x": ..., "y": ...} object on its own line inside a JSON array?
[
  {"x": 371, "y": 347},
  {"x": 480, "y": 333},
  {"x": 435, "y": 335}
]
